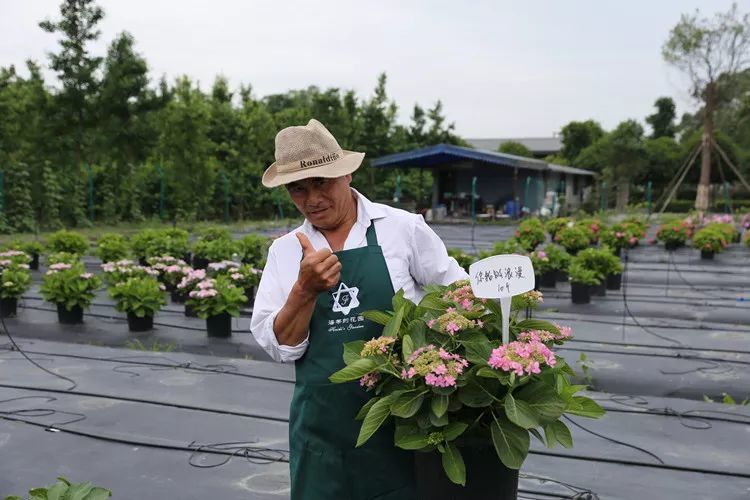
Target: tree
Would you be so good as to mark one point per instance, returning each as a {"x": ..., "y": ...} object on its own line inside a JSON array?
[
  {"x": 662, "y": 122},
  {"x": 707, "y": 50},
  {"x": 515, "y": 148},
  {"x": 73, "y": 64},
  {"x": 577, "y": 136}
]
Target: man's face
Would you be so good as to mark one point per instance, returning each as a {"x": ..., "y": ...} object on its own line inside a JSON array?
[{"x": 324, "y": 202}]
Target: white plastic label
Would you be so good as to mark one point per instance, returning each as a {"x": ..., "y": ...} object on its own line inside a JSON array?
[{"x": 502, "y": 277}]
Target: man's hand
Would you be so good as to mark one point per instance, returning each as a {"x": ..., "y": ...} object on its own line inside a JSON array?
[{"x": 319, "y": 270}]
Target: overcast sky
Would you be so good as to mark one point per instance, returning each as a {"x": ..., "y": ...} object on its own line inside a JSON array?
[{"x": 502, "y": 68}]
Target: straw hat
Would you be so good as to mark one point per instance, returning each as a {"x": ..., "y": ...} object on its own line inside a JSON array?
[{"x": 309, "y": 151}]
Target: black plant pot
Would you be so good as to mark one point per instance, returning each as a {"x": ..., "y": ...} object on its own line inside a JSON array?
[
  {"x": 188, "y": 257},
  {"x": 599, "y": 290},
  {"x": 136, "y": 324},
  {"x": 190, "y": 312},
  {"x": 72, "y": 317},
  {"x": 219, "y": 325},
  {"x": 34, "y": 264},
  {"x": 614, "y": 281},
  {"x": 580, "y": 293},
  {"x": 618, "y": 251},
  {"x": 671, "y": 246},
  {"x": 561, "y": 275},
  {"x": 177, "y": 297},
  {"x": 548, "y": 279},
  {"x": 250, "y": 294},
  {"x": 8, "y": 307},
  {"x": 142, "y": 261},
  {"x": 707, "y": 254},
  {"x": 486, "y": 477},
  {"x": 200, "y": 263}
]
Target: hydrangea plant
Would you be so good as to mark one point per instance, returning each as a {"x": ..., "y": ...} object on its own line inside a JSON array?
[
  {"x": 440, "y": 372},
  {"x": 69, "y": 284},
  {"x": 212, "y": 297}
]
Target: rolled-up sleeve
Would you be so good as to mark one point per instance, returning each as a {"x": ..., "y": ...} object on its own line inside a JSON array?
[
  {"x": 269, "y": 300},
  {"x": 429, "y": 262}
]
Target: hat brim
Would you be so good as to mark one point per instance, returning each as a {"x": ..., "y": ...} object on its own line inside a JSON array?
[{"x": 348, "y": 163}]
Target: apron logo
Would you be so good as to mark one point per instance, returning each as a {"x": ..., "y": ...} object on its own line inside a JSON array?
[{"x": 345, "y": 299}]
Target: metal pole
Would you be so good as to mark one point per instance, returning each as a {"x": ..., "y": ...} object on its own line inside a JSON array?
[
  {"x": 526, "y": 193},
  {"x": 473, "y": 198},
  {"x": 648, "y": 197},
  {"x": 161, "y": 192},
  {"x": 726, "y": 198},
  {"x": 91, "y": 193},
  {"x": 603, "y": 197}
]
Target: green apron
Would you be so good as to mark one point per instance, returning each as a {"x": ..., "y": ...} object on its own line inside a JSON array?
[{"x": 324, "y": 462}]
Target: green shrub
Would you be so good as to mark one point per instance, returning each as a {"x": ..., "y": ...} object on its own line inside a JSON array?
[
  {"x": 253, "y": 249},
  {"x": 558, "y": 257},
  {"x": 63, "y": 257},
  {"x": 212, "y": 297},
  {"x": 573, "y": 239},
  {"x": 676, "y": 233},
  {"x": 710, "y": 239},
  {"x": 552, "y": 226},
  {"x": 112, "y": 247},
  {"x": 464, "y": 260},
  {"x": 600, "y": 260},
  {"x": 530, "y": 233},
  {"x": 70, "y": 285},
  {"x": 68, "y": 242},
  {"x": 65, "y": 490},
  {"x": 215, "y": 250},
  {"x": 16, "y": 280},
  {"x": 579, "y": 274},
  {"x": 172, "y": 242},
  {"x": 142, "y": 296},
  {"x": 141, "y": 242},
  {"x": 214, "y": 233}
]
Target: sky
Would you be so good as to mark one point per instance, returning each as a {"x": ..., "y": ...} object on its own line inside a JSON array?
[{"x": 500, "y": 68}]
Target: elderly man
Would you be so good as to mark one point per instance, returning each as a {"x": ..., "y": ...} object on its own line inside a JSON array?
[{"x": 349, "y": 256}]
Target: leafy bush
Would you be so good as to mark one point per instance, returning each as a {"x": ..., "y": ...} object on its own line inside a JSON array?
[
  {"x": 169, "y": 242},
  {"x": 592, "y": 228},
  {"x": 580, "y": 274},
  {"x": 253, "y": 249},
  {"x": 16, "y": 280},
  {"x": 68, "y": 242},
  {"x": 675, "y": 233},
  {"x": 553, "y": 226},
  {"x": 573, "y": 239},
  {"x": 15, "y": 256},
  {"x": 70, "y": 285},
  {"x": 112, "y": 247},
  {"x": 215, "y": 250},
  {"x": 65, "y": 490},
  {"x": 141, "y": 242},
  {"x": 28, "y": 247},
  {"x": 142, "y": 296},
  {"x": 602, "y": 261},
  {"x": 63, "y": 258},
  {"x": 214, "y": 233},
  {"x": 214, "y": 296},
  {"x": 541, "y": 262},
  {"x": 464, "y": 260},
  {"x": 440, "y": 372},
  {"x": 122, "y": 270},
  {"x": 558, "y": 257},
  {"x": 502, "y": 248},
  {"x": 710, "y": 239},
  {"x": 530, "y": 233}
]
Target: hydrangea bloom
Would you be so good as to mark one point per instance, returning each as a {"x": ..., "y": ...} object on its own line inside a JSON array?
[
  {"x": 368, "y": 380},
  {"x": 377, "y": 346},
  {"x": 451, "y": 322},
  {"x": 438, "y": 367},
  {"x": 522, "y": 357},
  {"x": 544, "y": 336},
  {"x": 463, "y": 297}
]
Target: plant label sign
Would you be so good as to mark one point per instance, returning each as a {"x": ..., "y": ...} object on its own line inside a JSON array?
[{"x": 502, "y": 277}]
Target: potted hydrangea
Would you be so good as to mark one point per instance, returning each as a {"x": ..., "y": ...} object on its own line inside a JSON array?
[
  {"x": 217, "y": 300},
  {"x": 245, "y": 276},
  {"x": 603, "y": 262},
  {"x": 253, "y": 249},
  {"x": 710, "y": 240},
  {"x": 122, "y": 270},
  {"x": 581, "y": 281},
  {"x": 112, "y": 247},
  {"x": 71, "y": 288},
  {"x": 68, "y": 242},
  {"x": 573, "y": 239},
  {"x": 592, "y": 228},
  {"x": 166, "y": 264},
  {"x": 32, "y": 249},
  {"x": 675, "y": 234},
  {"x": 530, "y": 234},
  {"x": 558, "y": 261},
  {"x": 545, "y": 273},
  {"x": 457, "y": 395},
  {"x": 553, "y": 226},
  {"x": 14, "y": 282},
  {"x": 187, "y": 285},
  {"x": 141, "y": 298}
]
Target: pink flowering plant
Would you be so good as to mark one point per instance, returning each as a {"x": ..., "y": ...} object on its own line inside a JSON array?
[
  {"x": 141, "y": 295},
  {"x": 440, "y": 372},
  {"x": 15, "y": 279},
  {"x": 69, "y": 284},
  {"x": 122, "y": 270},
  {"x": 530, "y": 234},
  {"x": 214, "y": 296}
]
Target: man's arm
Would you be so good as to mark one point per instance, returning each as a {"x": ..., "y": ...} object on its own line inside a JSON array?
[{"x": 429, "y": 261}]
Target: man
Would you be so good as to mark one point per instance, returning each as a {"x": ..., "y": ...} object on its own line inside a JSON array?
[{"x": 349, "y": 256}]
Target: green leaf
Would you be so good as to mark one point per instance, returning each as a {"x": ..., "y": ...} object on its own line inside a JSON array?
[
  {"x": 398, "y": 301},
  {"x": 409, "y": 437},
  {"x": 78, "y": 491},
  {"x": 510, "y": 441},
  {"x": 520, "y": 413},
  {"x": 478, "y": 351},
  {"x": 537, "y": 435},
  {"x": 407, "y": 404},
  {"x": 433, "y": 302},
  {"x": 558, "y": 432},
  {"x": 488, "y": 372},
  {"x": 394, "y": 324},
  {"x": 543, "y": 400},
  {"x": 417, "y": 329},
  {"x": 355, "y": 370},
  {"x": 537, "y": 324},
  {"x": 37, "y": 494},
  {"x": 99, "y": 494},
  {"x": 374, "y": 419},
  {"x": 365, "y": 408},
  {"x": 407, "y": 346},
  {"x": 57, "y": 491},
  {"x": 439, "y": 421},
  {"x": 352, "y": 351},
  {"x": 378, "y": 317},
  {"x": 478, "y": 393},
  {"x": 454, "y": 429},
  {"x": 453, "y": 464},
  {"x": 584, "y": 407},
  {"x": 439, "y": 405}
]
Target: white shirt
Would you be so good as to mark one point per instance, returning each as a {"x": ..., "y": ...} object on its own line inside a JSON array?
[{"x": 414, "y": 254}]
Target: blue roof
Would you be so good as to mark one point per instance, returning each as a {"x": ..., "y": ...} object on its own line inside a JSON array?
[{"x": 446, "y": 153}]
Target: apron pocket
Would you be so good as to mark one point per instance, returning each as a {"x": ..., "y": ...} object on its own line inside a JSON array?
[{"x": 317, "y": 473}]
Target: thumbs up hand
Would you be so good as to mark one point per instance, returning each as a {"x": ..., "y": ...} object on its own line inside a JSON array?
[{"x": 319, "y": 270}]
